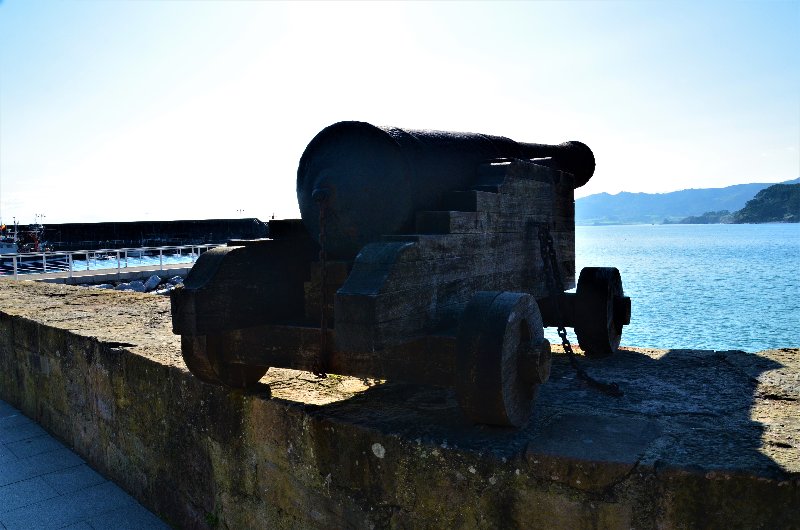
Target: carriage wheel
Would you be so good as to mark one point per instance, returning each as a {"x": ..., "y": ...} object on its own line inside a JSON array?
[
  {"x": 601, "y": 309},
  {"x": 502, "y": 357},
  {"x": 203, "y": 357}
]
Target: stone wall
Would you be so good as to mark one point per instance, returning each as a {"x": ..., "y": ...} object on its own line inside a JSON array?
[{"x": 700, "y": 439}]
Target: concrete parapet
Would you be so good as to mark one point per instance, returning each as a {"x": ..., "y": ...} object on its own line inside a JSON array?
[{"x": 701, "y": 439}]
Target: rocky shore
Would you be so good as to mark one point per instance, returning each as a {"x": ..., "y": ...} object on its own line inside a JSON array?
[{"x": 154, "y": 284}]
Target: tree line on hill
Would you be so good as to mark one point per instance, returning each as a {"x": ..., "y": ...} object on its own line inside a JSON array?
[{"x": 779, "y": 203}]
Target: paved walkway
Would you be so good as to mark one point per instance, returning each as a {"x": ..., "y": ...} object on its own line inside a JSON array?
[{"x": 45, "y": 485}]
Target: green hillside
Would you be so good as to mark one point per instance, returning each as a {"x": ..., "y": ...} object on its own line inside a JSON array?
[
  {"x": 722, "y": 216},
  {"x": 777, "y": 204}
]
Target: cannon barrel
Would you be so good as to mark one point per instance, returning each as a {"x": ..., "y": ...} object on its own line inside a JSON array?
[{"x": 373, "y": 179}]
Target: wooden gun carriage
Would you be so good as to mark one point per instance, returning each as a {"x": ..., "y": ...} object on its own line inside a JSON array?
[{"x": 421, "y": 256}]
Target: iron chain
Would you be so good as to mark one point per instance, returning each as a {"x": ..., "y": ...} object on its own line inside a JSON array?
[{"x": 555, "y": 287}]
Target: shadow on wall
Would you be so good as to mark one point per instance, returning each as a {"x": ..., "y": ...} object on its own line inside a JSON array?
[{"x": 686, "y": 409}]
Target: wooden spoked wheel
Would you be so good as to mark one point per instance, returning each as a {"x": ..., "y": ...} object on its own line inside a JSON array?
[
  {"x": 601, "y": 310},
  {"x": 498, "y": 361},
  {"x": 203, "y": 357}
]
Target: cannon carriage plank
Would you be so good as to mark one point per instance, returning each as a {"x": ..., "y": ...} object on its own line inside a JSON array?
[
  {"x": 428, "y": 360},
  {"x": 454, "y": 222},
  {"x": 392, "y": 318},
  {"x": 224, "y": 291},
  {"x": 336, "y": 273},
  {"x": 382, "y": 303}
]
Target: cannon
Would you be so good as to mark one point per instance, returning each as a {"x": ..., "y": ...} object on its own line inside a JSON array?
[
  {"x": 426, "y": 257},
  {"x": 377, "y": 178}
]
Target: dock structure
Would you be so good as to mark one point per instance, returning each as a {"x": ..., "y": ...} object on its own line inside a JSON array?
[
  {"x": 91, "y": 236},
  {"x": 700, "y": 439},
  {"x": 98, "y": 276}
]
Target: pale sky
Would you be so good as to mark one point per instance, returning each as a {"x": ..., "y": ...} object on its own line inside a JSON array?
[{"x": 122, "y": 110}]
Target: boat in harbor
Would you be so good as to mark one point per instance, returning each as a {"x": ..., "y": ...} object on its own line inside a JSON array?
[
  {"x": 8, "y": 240},
  {"x": 24, "y": 248},
  {"x": 8, "y": 246}
]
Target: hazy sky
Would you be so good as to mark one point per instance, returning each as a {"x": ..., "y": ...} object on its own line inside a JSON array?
[{"x": 126, "y": 110}]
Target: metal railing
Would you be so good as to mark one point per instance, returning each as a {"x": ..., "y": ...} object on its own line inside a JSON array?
[{"x": 20, "y": 264}]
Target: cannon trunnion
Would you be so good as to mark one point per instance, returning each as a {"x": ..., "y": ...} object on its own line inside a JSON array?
[{"x": 457, "y": 296}]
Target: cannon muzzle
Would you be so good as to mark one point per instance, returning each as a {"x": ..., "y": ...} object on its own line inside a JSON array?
[{"x": 371, "y": 180}]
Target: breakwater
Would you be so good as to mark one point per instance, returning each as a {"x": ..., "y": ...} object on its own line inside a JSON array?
[{"x": 93, "y": 236}]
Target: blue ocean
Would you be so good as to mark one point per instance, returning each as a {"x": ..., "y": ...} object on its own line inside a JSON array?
[{"x": 716, "y": 287}]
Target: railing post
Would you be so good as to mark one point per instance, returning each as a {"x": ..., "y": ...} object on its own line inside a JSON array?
[{"x": 174, "y": 252}]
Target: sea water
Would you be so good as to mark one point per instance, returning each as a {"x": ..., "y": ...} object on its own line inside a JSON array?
[
  {"x": 109, "y": 260},
  {"x": 717, "y": 287},
  {"x": 99, "y": 261}
]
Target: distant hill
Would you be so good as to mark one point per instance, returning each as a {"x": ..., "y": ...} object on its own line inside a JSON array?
[
  {"x": 777, "y": 204},
  {"x": 635, "y": 208},
  {"x": 722, "y": 216}
]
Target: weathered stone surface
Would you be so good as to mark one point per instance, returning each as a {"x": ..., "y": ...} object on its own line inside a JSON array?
[
  {"x": 152, "y": 282},
  {"x": 701, "y": 439},
  {"x": 138, "y": 286},
  {"x": 589, "y": 451}
]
